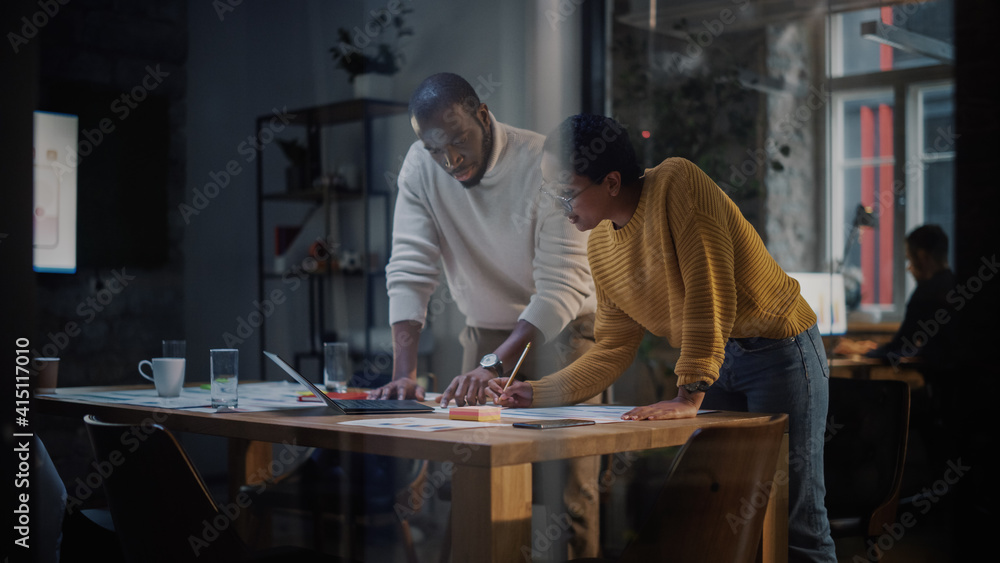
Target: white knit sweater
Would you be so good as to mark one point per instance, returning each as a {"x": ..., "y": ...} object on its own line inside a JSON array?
[{"x": 506, "y": 254}]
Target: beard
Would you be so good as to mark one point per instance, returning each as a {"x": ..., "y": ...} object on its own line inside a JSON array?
[{"x": 485, "y": 156}]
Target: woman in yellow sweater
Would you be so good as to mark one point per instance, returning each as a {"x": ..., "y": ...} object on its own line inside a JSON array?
[{"x": 672, "y": 254}]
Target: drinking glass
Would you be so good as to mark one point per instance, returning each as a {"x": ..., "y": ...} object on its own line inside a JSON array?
[
  {"x": 174, "y": 348},
  {"x": 336, "y": 366},
  {"x": 225, "y": 376}
]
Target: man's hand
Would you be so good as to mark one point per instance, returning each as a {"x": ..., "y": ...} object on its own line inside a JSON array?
[
  {"x": 468, "y": 388},
  {"x": 405, "y": 388},
  {"x": 519, "y": 394},
  {"x": 675, "y": 408}
]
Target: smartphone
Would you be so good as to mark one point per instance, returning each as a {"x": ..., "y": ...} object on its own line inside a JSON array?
[{"x": 555, "y": 423}]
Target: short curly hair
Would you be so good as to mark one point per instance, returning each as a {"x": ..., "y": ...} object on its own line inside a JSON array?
[
  {"x": 593, "y": 146},
  {"x": 440, "y": 92}
]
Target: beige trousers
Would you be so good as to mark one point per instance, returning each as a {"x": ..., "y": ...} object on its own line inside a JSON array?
[{"x": 575, "y": 511}]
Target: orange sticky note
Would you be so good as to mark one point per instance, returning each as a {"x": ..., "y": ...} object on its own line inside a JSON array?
[{"x": 477, "y": 414}]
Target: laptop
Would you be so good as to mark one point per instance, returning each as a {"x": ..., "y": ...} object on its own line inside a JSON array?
[{"x": 353, "y": 406}]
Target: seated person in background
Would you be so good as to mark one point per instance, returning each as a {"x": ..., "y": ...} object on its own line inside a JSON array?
[
  {"x": 924, "y": 330},
  {"x": 672, "y": 254}
]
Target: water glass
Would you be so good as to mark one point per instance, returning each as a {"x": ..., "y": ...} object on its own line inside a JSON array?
[
  {"x": 225, "y": 376},
  {"x": 336, "y": 366},
  {"x": 174, "y": 349}
]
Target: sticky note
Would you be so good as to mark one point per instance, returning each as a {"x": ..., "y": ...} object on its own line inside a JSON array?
[{"x": 478, "y": 414}]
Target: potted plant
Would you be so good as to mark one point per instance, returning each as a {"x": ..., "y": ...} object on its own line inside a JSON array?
[{"x": 369, "y": 65}]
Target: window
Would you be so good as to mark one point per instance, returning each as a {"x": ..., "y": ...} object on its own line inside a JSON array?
[
  {"x": 931, "y": 164},
  {"x": 865, "y": 192},
  {"x": 833, "y": 132},
  {"x": 851, "y": 56},
  {"x": 892, "y": 148}
]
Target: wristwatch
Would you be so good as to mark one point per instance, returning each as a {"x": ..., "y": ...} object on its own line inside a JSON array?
[{"x": 492, "y": 362}]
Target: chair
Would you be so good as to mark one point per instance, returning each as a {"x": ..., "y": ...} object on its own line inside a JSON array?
[
  {"x": 86, "y": 533},
  {"x": 375, "y": 497},
  {"x": 160, "y": 506},
  {"x": 313, "y": 487},
  {"x": 867, "y": 430},
  {"x": 702, "y": 513},
  {"x": 89, "y": 534}
]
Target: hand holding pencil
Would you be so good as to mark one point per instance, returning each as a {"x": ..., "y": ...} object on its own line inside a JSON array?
[
  {"x": 473, "y": 388},
  {"x": 513, "y": 374},
  {"x": 504, "y": 395}
]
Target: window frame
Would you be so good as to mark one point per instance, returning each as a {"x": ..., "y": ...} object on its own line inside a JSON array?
[{"x": 905, "y": 85}]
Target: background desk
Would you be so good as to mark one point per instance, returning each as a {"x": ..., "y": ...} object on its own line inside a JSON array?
[
  {"x": 861, "y": 367},
  {"x": 491, "y": 480}
]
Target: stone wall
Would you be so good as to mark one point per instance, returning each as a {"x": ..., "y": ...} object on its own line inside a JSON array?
[{"x": 794, "y": 207}]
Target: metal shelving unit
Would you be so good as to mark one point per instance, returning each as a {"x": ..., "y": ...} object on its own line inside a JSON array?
[{"x": 326, "y": 287}]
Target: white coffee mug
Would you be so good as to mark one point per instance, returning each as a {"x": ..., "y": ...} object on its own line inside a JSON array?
[{"x": 168, "y": 375}]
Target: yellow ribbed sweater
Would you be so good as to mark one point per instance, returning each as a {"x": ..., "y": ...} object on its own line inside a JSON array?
[{"x": 687, "y": 267}]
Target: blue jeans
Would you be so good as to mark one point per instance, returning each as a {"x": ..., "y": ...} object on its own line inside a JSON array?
[{"x": 790, "y": 376}]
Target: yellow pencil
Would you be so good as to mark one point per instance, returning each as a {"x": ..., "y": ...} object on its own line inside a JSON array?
[{"x": 516, "y": 367}]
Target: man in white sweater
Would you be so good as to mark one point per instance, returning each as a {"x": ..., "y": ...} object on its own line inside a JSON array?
[{"x": 518, "y": 271}]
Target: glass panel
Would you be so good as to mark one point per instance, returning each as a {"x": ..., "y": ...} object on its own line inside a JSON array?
[
  {"x": 869, "y": 216},
  {"x": 939, "y": 197},
  {"x": 743, "y": 92},
  {"x": 859, "y": 55},
  {"x": 867, "y": 194},
  {"x": 939, "y": 118},
  {"x": 934, "y": 187},
  {"x": 862, "y": 127},
  {"x": 851, "y": 198}
]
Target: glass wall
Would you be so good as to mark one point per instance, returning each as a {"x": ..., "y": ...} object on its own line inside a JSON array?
[{"x": 830, "y": 123}]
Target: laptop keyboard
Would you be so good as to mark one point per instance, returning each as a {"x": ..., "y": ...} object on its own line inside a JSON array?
[{"x": 373, "y": 404}]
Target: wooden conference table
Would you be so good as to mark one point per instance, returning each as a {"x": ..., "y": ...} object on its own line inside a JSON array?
[{"x": 492, "y": 466}]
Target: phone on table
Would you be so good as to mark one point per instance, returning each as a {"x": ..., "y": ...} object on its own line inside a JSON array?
[{"x": 553, "y": 423}]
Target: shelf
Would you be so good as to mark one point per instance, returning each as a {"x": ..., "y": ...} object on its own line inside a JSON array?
[
  {"x": 336, "y": 302},
  {"x": 342, "y": 112},
  {"x": 304, "y": 274},
  {"x": 315, "y": 196}
]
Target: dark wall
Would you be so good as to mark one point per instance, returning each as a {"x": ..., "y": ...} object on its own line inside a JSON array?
[
  {"x": 120, "y": 64},
  {"x": 16, "y": 278},
  {"x": 973, "y": 382},
  {"x": 122, "y": 171},
  {"x": 121, "y": 68}
]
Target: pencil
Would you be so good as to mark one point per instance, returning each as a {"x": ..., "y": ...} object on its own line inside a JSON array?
[{"x": 516, "y": 367}]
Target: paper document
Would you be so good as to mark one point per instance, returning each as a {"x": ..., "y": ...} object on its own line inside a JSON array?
[{"x": 421, "y": 424}]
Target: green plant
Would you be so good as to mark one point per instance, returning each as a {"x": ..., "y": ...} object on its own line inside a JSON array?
[{"x": 356, "y": 55}]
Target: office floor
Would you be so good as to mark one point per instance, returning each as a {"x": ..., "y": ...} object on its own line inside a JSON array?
[
  {"x": 382, "y": 543},
  {"x": 928, "y": 538},
  {"x": 928, "y": 541}
]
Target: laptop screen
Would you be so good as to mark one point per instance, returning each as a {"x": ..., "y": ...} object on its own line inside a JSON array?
[{"x": 363, "y": 406}]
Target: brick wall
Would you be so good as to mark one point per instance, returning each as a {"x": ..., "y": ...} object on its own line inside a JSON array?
[{"x": 105, "y": 318}]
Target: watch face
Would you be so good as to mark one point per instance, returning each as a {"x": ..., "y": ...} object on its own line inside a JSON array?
[{"x": 489, "y": 360}]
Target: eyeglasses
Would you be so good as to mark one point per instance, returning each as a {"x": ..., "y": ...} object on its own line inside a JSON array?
[{"x": 565, "y": 202}]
